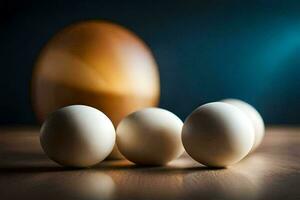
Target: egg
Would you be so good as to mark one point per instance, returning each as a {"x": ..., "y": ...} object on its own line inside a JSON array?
[
  {"x": 77, "y": 136},
  {"x": 217, "y": 134},
  {"x": 254, "y": 116},
  {"x": 151, "y": 136},
  {"x": 96, "y": 63}
]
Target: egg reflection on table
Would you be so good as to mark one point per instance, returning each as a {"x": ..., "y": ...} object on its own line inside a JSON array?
[
  {"x": 95, "y": 63},
  {"x": 151, "y": 182},
  {"x": 79, "y": 185},
  {"x": 237, "y": 186},
  {"x": 217, "y": 134}
]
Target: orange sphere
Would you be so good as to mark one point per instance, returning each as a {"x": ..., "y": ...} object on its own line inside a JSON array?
[{"x": 95, "y": 63}]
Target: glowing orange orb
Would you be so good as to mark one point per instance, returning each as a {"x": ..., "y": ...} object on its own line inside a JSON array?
[{"x": 95, "y": 63}]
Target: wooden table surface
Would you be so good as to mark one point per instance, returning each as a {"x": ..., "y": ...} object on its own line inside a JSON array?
[{"x": 271, "y": 172}]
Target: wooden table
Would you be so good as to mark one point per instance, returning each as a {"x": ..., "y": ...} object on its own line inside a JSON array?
[{"x": 272, "y": 172}]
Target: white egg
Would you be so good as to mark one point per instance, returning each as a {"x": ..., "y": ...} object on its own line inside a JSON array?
[
  {"x": 151, "y": 136},
  {"x": 77, "y": 136},
  {"x": 217, "y": 134},
  {"x": 255, "y": 117}
]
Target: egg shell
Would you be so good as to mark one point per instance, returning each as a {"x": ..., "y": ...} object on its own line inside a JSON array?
[
  {"x": 254, "y": 116},
  {"x": 217, "y": 134},
  {"x": 151, "y": 136},
  {"x": 77, "y": 136}
]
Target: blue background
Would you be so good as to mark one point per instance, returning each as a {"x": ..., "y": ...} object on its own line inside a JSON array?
[{"x": 206, "y": 50}]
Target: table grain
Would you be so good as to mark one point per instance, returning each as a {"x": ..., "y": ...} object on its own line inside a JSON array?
[{"x": 271, "y": 172}]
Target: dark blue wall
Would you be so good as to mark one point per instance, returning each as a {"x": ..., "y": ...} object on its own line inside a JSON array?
[{"x": 206, "y": 50}]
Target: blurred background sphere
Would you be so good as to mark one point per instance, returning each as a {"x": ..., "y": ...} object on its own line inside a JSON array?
[
  {"x": 206, "y": 50},
  {"x": 99, "y": 64},
  {"x": 95, "y": 63}
]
